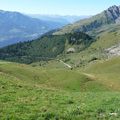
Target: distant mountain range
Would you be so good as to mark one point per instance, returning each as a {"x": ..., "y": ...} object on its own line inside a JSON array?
[
  {"x": 17, "y": 27},
  {"x": 58, "y": 18}
]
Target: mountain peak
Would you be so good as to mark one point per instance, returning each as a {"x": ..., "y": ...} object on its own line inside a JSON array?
[
  {"x": 113, "y": 13},
  {"x": 113, "y": 7}
]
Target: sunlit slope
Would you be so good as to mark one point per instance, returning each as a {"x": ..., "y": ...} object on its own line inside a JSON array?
[
  {"x": 108, "y": 72},
  {"x": 20, "y": 101},
  {"x": 28, "y": 93},
  {"x": 63, "y": 79}
]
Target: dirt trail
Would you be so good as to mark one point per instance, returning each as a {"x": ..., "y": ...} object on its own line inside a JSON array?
[
  {"x": 67, "y": 65},
  {"x": 90, "y": 76}
]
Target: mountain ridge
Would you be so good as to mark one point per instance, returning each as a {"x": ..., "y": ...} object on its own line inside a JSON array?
[{"x": 109, "y": 16}]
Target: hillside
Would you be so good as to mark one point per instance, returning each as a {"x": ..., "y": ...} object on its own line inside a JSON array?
[
  {"x": 59, "y": 18},
  {"x": 106, "y": 71},
  {"x": 16, "y": 27},
  {"x": 43, "y": 93},
  {"x": 105, "y": 38}
]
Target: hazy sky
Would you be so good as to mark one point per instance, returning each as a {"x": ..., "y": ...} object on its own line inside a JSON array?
[{"x": 58, "y": 7}]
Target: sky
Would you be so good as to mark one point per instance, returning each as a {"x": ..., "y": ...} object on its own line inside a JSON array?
[{"x": 58, "y": 7}]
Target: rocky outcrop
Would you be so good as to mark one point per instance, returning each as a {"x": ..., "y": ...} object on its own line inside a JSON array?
[
  {"x": 113, "y": 14},
  {"x": 70, "y": 50},
  {"x": 113, "y": 51}
]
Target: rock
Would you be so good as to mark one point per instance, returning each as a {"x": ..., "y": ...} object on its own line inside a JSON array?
[
  {"x": 113, "y": 51},
  {"x": 70, "y": 50},
  {"x": 113, "y": 114}
]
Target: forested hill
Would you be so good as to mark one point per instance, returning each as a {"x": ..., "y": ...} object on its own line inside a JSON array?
[{"x": 48, "y": 46}]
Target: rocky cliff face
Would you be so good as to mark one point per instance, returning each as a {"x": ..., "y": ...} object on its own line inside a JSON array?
[
  {"x": 109, "y": 16},
  {"x": 113, "y": 14}
]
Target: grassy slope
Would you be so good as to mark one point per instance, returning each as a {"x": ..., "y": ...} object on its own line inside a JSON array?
[
  {"x": 108, "y": 72},
  {"x": 41, "y": 93},
  {"x": 52, "y": 78},
  {"x": 105, "y": 38}
]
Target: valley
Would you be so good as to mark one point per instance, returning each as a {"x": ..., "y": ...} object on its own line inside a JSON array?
[{"x": 70, "y": 73}]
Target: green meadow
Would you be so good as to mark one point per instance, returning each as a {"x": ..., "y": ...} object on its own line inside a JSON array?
[{"x": 42, "y": 93}]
